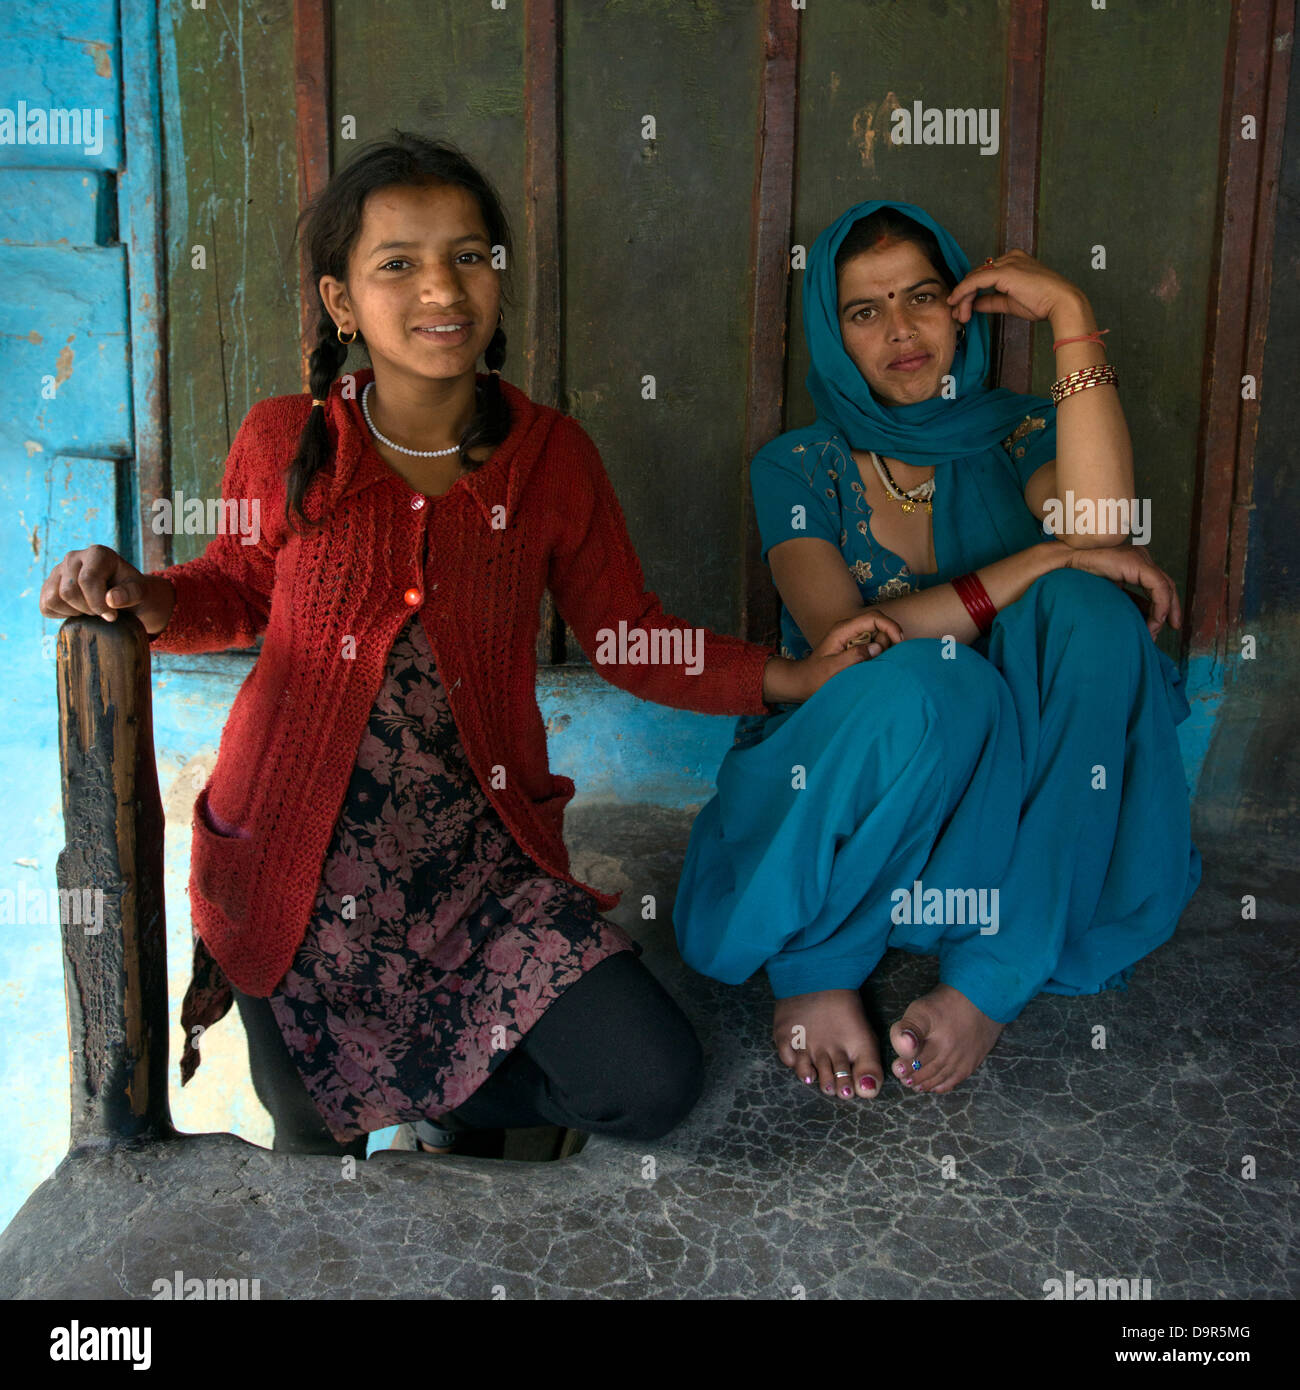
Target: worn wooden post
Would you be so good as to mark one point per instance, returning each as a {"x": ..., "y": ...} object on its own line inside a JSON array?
[{"x": 110, "y": 876}]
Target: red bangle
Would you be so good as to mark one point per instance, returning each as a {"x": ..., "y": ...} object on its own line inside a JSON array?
[{"x": 978, "y": 604}]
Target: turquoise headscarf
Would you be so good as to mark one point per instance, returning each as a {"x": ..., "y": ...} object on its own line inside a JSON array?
[{"x": 955, "y": 435}]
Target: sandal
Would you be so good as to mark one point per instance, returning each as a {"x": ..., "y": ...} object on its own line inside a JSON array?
[{"x": 441, "y": 1135}]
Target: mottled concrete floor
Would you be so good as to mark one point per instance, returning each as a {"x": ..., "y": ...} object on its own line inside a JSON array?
[{"x": 1128, "y": 1162}]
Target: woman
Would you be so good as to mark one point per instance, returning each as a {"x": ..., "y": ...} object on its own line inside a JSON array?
[
  {"x": 1001, "y": 788},
  {"x": 378, "y": 877}
]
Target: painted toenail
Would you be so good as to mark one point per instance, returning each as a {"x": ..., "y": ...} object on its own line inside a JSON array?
[
  {"x": 847, "y": 1091},
  {"x": 868, "y": 1083},
  {"x": 907, "y": 1081},
  {"x": 807, "y": 1081}
]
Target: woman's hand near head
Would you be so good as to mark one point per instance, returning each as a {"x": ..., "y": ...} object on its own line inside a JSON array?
[
  {"x": 1022, "y": 287},
  {"x": 98, "y": 580},
  {"x": 1132, "y": 564}
]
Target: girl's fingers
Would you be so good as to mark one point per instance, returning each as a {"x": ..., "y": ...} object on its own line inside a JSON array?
[
  {"x": 124, "y": 595},
  {"x": 71, "y": 590}
]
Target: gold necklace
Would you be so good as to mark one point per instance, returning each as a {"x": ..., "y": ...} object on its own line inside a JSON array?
[{"x": 923, "y": 492}]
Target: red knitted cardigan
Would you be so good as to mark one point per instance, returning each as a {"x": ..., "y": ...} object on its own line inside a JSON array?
[{"x": 539, "y": 514}]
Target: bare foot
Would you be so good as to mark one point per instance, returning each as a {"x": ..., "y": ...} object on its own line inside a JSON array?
[
  {"x": 826, "y": 1032},
  {"x": 424, "y": 1148},
  {"x": 949, "y": 1036}
]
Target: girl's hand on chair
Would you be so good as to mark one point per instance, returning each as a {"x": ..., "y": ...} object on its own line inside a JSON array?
[
  {"x": 1132, "y": 564},
  {"x": 98, "y": 580}
]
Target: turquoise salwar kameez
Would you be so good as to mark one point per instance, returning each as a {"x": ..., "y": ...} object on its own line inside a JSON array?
[{"x": 1033, "y": 779}]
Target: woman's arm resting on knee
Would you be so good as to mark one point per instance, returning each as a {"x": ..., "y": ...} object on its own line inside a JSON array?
[{"x": 816, "y": 586}]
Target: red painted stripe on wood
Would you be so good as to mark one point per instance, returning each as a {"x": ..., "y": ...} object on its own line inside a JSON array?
[
  {"x": 1237, "y": 317},
  {"x": 772, "y": 230},
  {"x": 1021, "y": 164},
  {"x": 312, "y": 29},
  {"x": 1278, "y": 46},
  {"x": 543, "y": 251}
]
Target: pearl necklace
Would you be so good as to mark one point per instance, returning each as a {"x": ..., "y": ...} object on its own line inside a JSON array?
[
  {"x": 923, "y": 492},
  {"x": 415, "y": 453}
]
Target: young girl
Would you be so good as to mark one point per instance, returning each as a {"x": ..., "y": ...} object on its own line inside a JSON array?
[
  {"x": 378, "y": 870},
  {"x": 1003, "y": 791}
]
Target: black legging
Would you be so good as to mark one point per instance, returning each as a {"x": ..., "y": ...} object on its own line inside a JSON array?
[{"x": 613, "y": 1055}]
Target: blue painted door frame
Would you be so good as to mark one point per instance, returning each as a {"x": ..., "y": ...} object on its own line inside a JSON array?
[{"x": 80, "y": 335}]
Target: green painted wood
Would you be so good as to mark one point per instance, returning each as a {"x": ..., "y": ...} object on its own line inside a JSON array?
[
  {"x": 1130, "y": 161},
  {"x": 657, "y": 253},
  {"x": 451, "y": 72},
  {"x": 859, "y": 61},
  {"x": 231, "y": 187}
]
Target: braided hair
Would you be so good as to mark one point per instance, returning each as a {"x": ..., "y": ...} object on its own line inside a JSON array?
[{"x": 333, "y": 225}]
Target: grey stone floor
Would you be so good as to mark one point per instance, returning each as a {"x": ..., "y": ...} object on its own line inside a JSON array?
[{"x": 1055, "y": 1157}]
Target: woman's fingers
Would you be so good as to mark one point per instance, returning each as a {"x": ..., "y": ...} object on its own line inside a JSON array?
[
  {"x": 1161, "y": 590},
  {"x": 1163, "y": 598}
]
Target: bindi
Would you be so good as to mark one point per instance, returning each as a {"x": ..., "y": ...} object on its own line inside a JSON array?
[{"x": 891, "y": 294}]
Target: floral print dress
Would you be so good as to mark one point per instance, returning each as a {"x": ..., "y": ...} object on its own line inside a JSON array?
[{"x": 435, "y": 943}]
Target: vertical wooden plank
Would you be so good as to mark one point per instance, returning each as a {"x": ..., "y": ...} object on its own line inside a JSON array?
[
  {"x": 543, "y": 249},
  {"x": 1277, "y": 51},
  {"x": 658, "y": 231},
  {"x": 233, "y": 320},
  {"x": 543, "y": 180},
  {"x": 1256, "y": 69},
  {"x": 312, "y": 28},
  {"x": 1128, "y": 188},
  {"x": 110, "y": 875},
  {"x": 860, "y": 61},
  {"x": 139, "y": 216},
  {"x": 772, "y": 231},
  {"x": 1022, "y": 125}
]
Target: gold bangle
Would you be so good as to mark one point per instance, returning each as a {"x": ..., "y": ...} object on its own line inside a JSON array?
[{"x": 1100, "y": 374}]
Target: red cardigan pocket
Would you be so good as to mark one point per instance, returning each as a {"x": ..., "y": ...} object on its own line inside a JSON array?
[
  {"x": 550, "y": 809},
  {"x": 220, "y": 865}
]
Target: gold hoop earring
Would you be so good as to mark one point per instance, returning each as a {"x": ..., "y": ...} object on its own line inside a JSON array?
[{"x": 346, "y": 341}]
